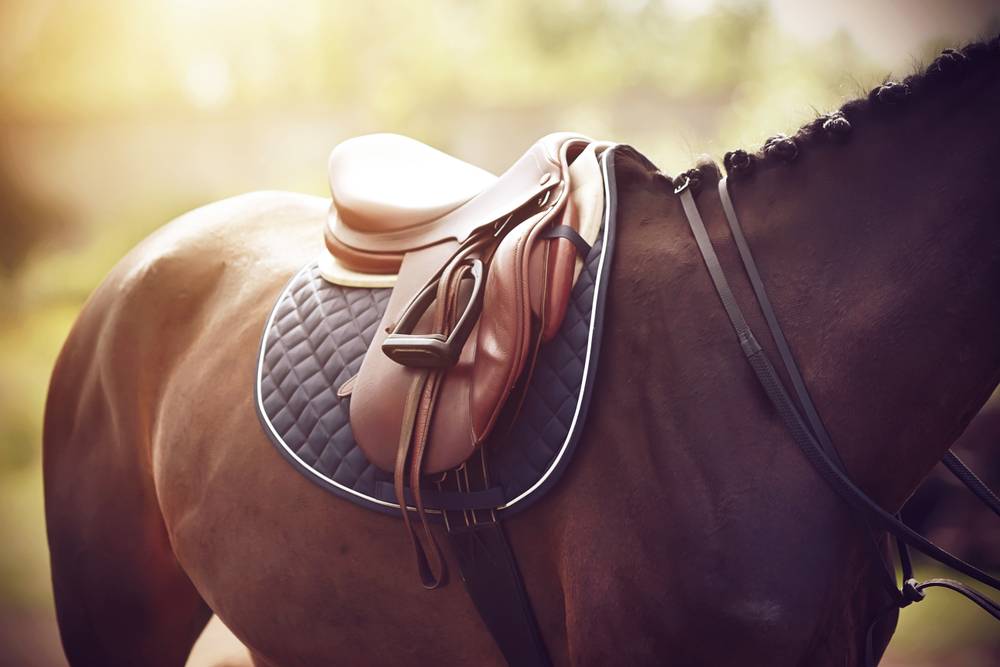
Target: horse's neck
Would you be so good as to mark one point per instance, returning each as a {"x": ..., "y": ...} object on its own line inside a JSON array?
[
  {"x": 883, "y": 259},
  {"x": 693, "y": 494}
]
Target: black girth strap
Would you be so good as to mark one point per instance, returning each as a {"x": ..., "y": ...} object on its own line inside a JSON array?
[
  {"x": 494, "y": 583},
  {"x": 815, "y": 442},
  {"x": 489, "y": 570}
]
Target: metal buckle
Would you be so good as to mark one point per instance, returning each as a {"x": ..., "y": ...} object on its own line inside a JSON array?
[
  {"x": 471, "y": 518},
  {"x": 683, "y": 186},
  {"x": 500, "y": 225},
  {"x": 911, "y": 592}
]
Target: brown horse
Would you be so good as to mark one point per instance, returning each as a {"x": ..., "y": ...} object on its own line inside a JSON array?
[{"x": 688, "y": 530}]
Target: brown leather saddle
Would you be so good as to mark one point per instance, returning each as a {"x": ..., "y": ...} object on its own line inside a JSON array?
[{"x": 481, "y": 268}]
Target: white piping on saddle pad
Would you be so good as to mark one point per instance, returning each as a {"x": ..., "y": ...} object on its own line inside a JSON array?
[{"x": 588, "y": 357}]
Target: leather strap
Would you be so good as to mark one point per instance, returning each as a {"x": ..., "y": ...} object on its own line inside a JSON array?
[
  {"x": 432, "y": 569},
  {"x": 494, "y": 583},
  {"x": 571, "y": 235},
  {"x": 798, "y": 384},
  {"x": 485, "y": 559},
  {"x": 971, "y": 481},
  {"x": 445, "y": 500},
  {"x": 792, "y": 369},
  {"x": 419, "y": 408},
  {"x": 437, "y": 566},
  {"x": 490, "y": 573},
  {"x": 988, "y": 605}
]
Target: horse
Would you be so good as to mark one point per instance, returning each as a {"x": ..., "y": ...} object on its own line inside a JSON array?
[{"x": 688, "y": 530}]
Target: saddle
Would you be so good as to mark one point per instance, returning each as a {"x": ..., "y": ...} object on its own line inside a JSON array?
[{"x": 481, "y": 268}]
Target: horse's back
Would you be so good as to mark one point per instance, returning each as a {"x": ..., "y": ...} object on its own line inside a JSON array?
[
  {"x": 229, "y": 257},
  {"x": 121, "y": 595}
]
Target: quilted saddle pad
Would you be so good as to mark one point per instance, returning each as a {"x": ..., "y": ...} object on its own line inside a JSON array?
[{"x": 316, "y": 337}]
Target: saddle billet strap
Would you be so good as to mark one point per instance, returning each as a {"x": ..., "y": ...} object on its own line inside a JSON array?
[{"x": 793, "y": 420}]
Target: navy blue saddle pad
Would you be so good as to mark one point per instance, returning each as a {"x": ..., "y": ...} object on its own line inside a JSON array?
[{"x": 317, "y": 336}]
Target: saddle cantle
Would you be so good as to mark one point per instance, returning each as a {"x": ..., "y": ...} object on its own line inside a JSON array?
[
  {"x": 482, "y": 268},
  {"x": 390, "y": 194}
]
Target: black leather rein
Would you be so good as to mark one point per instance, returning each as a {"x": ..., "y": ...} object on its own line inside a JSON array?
[{"x": 811, "y": 435}]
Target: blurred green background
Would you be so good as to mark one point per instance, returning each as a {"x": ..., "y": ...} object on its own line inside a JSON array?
[{"x": 117, "y": 116}]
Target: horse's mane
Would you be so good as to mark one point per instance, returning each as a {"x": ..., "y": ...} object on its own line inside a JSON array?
[{"x": 882, "y": 101}]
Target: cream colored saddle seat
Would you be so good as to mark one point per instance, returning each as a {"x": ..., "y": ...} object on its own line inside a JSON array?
[{"x": 387, "y": 182}]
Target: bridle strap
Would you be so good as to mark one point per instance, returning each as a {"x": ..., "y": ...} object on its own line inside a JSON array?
[
  {"x": 988, "y": 605},
  {"x": 798, "y": 384},
  {"x": 971, "y": 481},
  {"x": 810, "y": 444},
  {"x": 819, "y": 431}
]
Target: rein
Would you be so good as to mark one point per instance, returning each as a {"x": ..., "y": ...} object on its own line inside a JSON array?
[{"x": 812, "y": 437}]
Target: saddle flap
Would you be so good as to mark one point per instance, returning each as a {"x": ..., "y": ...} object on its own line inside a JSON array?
[
  {"x": 505, "y": 330},
  {"x": 583, "y": 214},
  {"x": 379, "y": 393},
  {"x": 486, "y": 368}
]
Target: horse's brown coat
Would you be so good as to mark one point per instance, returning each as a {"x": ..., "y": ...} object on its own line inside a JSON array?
[{"x": 689, "y": 530}]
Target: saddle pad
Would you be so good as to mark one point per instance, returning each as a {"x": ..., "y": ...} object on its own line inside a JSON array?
[{"x": 317, "y": 335}]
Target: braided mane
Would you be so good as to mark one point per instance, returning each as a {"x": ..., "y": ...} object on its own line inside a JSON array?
[{"x": 946, "y": 70}]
